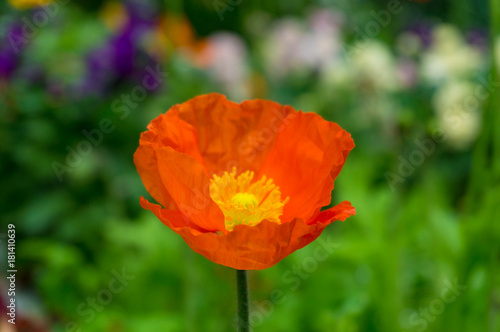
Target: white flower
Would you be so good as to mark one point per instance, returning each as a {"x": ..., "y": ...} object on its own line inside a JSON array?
[
  {"x": 458, "y": 112},
  {"x": 407, "y": 72},
  {"x": 292, "y": 46},
  {"x": 282, "y": 46},
  {"x": 227, "y": 54},
  {"x": 374, "y": 64},
  {"x": 409, "y": 44},
  {"x": 450, "y": 57}
]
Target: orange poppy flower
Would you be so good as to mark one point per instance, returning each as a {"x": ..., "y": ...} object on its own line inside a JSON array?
[{"x": 243, "y": 184}]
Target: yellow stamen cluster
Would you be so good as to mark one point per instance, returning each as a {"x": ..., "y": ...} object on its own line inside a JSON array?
[{"x": 244, "y": 201}]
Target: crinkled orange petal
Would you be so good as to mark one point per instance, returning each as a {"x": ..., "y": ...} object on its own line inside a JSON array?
[
  {"x": 188, "y": 184},
  {"x": 340, "y": 212},
  {"x": 233, "y": 135},
  {"x": 307, "y": 156},
  {"x": 147, "y": 166},
  {"x": 252, "y": 248},
  {"x": 171, "y": 218},
  {"x": 166, "y": 130}
]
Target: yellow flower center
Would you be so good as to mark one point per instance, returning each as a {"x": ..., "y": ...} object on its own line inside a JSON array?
[{"x": 246, "y": 203}]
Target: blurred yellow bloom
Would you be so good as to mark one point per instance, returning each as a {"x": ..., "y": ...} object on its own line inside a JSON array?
[
  {"x": 25, "y": 4},
  {"x": 458, "y": 112},
  {"x": 450, "y": 57},
  {"x": 114, "y": 15}
]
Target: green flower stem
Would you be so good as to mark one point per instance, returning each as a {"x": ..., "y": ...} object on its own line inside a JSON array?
[{"x": 243, "y": 310}]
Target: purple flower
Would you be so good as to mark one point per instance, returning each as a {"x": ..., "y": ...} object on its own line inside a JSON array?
[
  {"x": 10, "y": 52},
  {"x": 478, "y": 37},
  {"x": 423, "y": 31},
  {"x": 121, "y": 58}
]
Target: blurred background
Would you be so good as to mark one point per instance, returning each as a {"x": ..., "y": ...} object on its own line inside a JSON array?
[{"x": 414, "y": 82}]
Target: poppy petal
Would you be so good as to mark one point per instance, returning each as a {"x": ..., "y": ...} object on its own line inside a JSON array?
[
  {"x": 147, "y": 166},
  {"x": 165, "y": 130},
  {"x": 339, "y": 212},
  {"x": 308, "y": 154},
  {"x": 169, "y": 130},
  {"x": 232, "y": 135},
  {"x": 249, "y": 248},
  {"x": 171, "y": 218},
  {"x": 188, "y": 185}
]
